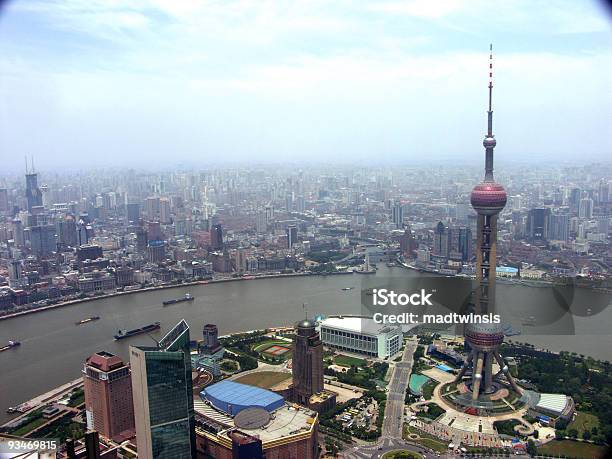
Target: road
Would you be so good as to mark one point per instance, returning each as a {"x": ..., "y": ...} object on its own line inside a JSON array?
[{"x": 393, "y": 423}]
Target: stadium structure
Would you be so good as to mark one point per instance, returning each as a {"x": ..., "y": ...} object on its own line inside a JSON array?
[{"x": 239, "y": 420}]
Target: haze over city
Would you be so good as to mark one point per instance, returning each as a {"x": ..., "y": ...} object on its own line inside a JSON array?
[{"x": 155, "y": 83}]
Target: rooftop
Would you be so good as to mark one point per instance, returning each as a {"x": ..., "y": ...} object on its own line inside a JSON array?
[
  {"x": 284, "y": 422},
  {"x": 362, "y": 325},
  {"x": 553, "y": 402},
  {"x": 233, "y": 397},
  {"x": 104, "y": 361}
]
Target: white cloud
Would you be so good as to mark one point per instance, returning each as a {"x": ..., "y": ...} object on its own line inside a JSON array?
[{"x": 420, "y": 8}]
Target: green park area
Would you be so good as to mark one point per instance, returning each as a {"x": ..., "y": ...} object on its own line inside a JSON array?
[
  {"x": 31, "y": 421},
  {"x": 348, "y": 361},
  {"x": 428, "y": 389},
  {"x": 433, "y": 412},
  {"x": 574, "y": 449},
  {"x": 584, "y": 422},
  {"x": 264, "y": 379},
  {"x": 429, "y": 441}
]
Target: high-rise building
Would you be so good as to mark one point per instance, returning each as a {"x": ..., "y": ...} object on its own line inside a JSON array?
[
  {"x": 33, "y": 193},
  {"x": 133, "y": 212},
  {"x": 109, "y": 408},
  {"x": 152, "y": 208},
  {"x": 89, "y": 252},
  {"x": 398, "y": 214},
  {"x": 300, "y": 204},
  {"x": 407, "y": 242},
  {"x": 558, "y": 227},
  {"x": 156, "y": 251},
  {"x": 260, "y": 222},
  {"x": 585, "y": 209},
  {"x": 465, "y": 243},
  {"x": 83, "y": 232},
  {"x": 488, "y": 200},
  {"x": 45, "y": 196},
  {"x": 154, "y": 232},
  {"x": 14, "y": 271},
  {"x": 537, "y": 224},
  {"x": 42, "y": 240},
  {"x": 441, "y": 240},
  {"x": 292, "y": 235},
  {"x": 216, "y": 237},
  {"x": 210, "y": 344},
  {"x": 67, "y": 231},
  {"x": 603, "y": 193},
  {"x": 18, "y": 235},
  {"x": 164, "y": 211},
  {"x": 307, "y": 362},
  {"x": 163, "y": 397},
  {"x": 240, "y": 260},
  {"x": 269, "y": 214},
  {"x": 4, "y": 204},
  {"x": 141, "y": 239},
  {"x": 289, "y": 202}
]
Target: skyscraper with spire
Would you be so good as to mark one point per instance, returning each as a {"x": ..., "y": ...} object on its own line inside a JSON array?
[
  {"x": 488, "y": 200},
  {"x": 33, "y": 193}
]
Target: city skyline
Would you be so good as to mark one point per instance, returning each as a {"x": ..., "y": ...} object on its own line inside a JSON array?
[{"x": 205, "y": 84}]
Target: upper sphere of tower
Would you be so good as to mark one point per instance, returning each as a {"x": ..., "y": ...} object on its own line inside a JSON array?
[{"x": 489, "y": 142}]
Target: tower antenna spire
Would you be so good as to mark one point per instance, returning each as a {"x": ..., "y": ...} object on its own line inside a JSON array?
[
  {"x": 489, "y": 140},
  {"x": 490, "y": 112},
  {"x": 25, "y": 157}
]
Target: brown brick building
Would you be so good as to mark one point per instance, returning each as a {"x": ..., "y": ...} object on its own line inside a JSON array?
[{"x": 108, "y": 395}]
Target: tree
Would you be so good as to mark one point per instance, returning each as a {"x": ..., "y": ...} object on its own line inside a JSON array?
[{"x": 531, "y": 448}]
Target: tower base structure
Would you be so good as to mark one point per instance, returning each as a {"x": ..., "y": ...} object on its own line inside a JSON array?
[{"x": 477, "y": 386}]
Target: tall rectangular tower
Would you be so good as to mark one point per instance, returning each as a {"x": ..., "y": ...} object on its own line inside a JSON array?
[
  {"x": 108, "y": 394},
  {"x": 163, "y": 397},
  {"x": 307, "y": 362}
]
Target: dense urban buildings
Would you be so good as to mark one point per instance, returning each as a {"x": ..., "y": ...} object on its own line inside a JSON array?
[{"x": 86, "y": 240}]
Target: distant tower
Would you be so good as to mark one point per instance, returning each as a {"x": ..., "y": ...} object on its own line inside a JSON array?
[
  {"x": 216, "y": 237},
  {"x": 210, "y": 345},
  {"x": 292, "y": 235},
  {"x": 33, "y": 193},
  {"x": 488, "y": 199},
  {"x": 398, "y": 214},
  {"x": 307, "y": 362}
]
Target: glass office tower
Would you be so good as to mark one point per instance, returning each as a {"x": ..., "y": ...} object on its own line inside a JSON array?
[{"x": 163, "y": 397}]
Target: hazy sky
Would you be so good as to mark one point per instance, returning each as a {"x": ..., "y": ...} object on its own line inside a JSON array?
[{"x": 94, "y": 82}]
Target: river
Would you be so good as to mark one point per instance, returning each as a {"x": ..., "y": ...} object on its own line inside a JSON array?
[{"x": 53, "y": 347}]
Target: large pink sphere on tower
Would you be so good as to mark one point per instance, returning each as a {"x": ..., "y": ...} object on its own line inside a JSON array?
[{"x": 488, "y": 198}]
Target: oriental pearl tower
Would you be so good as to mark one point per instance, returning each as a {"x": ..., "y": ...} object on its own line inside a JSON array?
[{"x": 488, "y": 199}]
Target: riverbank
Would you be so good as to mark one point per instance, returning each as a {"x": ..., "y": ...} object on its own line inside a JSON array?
[
  {"x": 535, "y": 283},
  {"x": 165, "y": 286}
]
